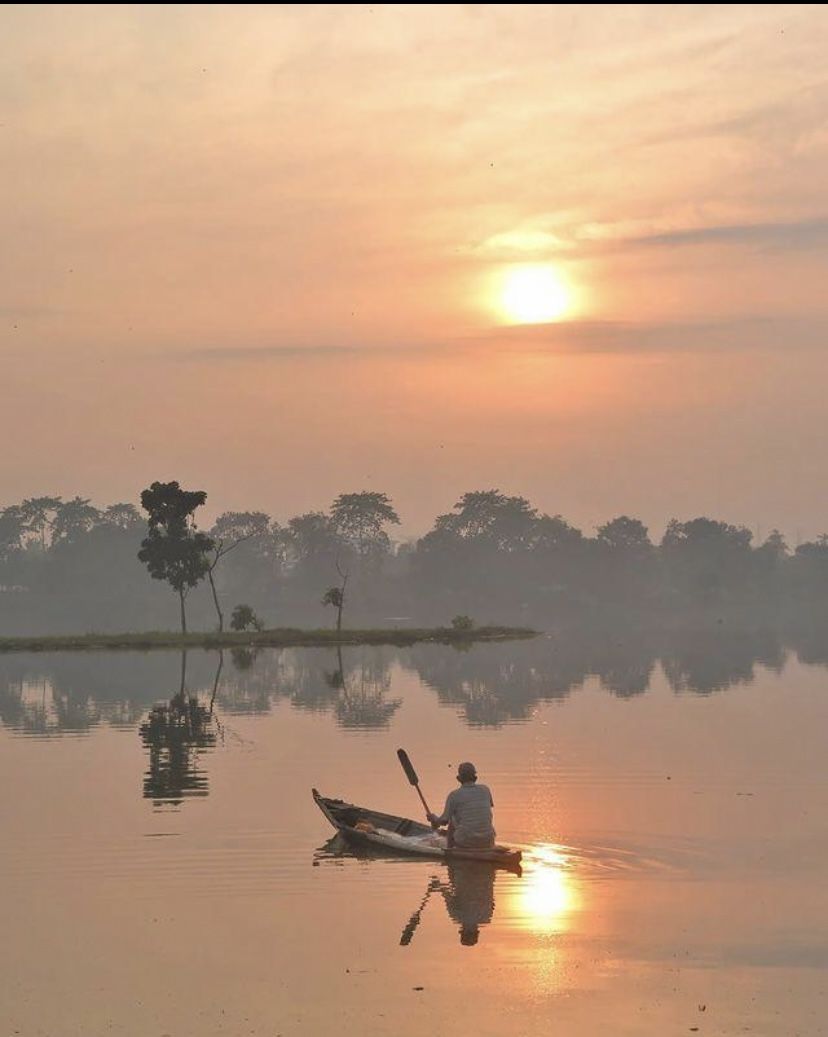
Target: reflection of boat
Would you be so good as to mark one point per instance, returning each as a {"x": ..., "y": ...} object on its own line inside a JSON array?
[
  {"x": 366, "y": 827},
  {"x": 468, "y": 893}
]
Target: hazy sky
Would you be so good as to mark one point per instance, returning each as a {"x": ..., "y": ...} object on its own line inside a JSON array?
[{"x": 261, "y": 250}]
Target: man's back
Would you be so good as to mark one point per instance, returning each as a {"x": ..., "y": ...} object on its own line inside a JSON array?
[{"x": 469, "y": 810}]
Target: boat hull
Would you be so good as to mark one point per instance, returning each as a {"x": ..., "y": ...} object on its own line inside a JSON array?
[{"x": 400, "y": 835}]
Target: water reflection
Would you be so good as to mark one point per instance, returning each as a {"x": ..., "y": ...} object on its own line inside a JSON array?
[
  {"x": 176, "y": 733},
  {"x": 466, "y": 888},
  {"x": 642, "y": 854},
  {"x": 490, "y": 686},
  {"x": 548, "y": 895},
  {"x": 38, "y": 704},
  {"x": 468, "y": 894},
  {"x": 411, "y": 925},
  {"x": 469, "y": 898},
  {"x": 487, "y": 685},
  {"x": 352, "y": 683},
  {"x": 361, "y": 692},
  {"x": 542, "y": 899}
]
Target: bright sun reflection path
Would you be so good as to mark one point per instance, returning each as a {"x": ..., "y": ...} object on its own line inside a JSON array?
[
  {"x": 533, "y": 293},
  {"x": 547, "y": 893}
]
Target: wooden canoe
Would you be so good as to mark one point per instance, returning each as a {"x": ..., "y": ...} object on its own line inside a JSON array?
[{"x": 365, "y": 827}]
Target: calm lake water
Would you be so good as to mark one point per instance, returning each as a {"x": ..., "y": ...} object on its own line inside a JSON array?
[{"x": 165, "y": 871}]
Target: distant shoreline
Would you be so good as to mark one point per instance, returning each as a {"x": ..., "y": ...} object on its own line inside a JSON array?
[{"x": 283, "y": 637}]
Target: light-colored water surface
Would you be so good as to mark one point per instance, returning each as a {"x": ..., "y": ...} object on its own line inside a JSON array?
[{"x": 179, "y": 880}]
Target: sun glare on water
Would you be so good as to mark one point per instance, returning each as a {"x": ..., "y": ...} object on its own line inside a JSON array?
[
  {"x": 533, "y": 294},
  {"x": 547, "y": 895}
]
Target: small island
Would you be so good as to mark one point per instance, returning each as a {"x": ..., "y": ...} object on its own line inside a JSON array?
[{"x": 282, "y": 637}]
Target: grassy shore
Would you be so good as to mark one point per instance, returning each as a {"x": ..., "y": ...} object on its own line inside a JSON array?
[{"x": 282, "y": 637}]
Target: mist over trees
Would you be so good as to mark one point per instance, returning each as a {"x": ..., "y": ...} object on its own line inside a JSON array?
[{"x": 72, "y": 566}]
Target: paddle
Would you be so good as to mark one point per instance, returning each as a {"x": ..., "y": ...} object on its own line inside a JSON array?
[{"x": 411, "y": 774}]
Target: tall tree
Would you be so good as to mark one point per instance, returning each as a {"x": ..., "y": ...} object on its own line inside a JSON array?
[
  {"x": 173, "y": 549},
  {"x": 124, "y": 516},
  {"x": 12, "y": 529},
  {"x": 311, "y": 537},
  {"x": 705, "y": 556},
  {"x": 492, "y": 518},
  {"x": 624, "y": 560},
  {"x": 811, "y": 566},
  {"x": 625, "y": 535},
  {"x": 553, "y": 533},
  {"x": 39, "y": 514},
  {"x": 359, "y": 519},
  {"x": 73, "y": 518}
]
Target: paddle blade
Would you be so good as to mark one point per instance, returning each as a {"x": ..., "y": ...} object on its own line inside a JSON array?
[
  {"x": 410, "y": 929},
  {"x": 410, "y": 773}
]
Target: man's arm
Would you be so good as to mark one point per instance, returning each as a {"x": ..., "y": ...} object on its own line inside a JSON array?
[{"x": 444, "y": 818}]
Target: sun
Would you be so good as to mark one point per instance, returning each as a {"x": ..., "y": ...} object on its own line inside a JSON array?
[{"x": 534, "y": 293}]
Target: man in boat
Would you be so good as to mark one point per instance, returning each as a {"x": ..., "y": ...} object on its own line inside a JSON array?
[{"x": 468, "y": 813}]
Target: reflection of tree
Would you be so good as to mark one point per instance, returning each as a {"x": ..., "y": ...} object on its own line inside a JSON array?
[
  {"x": 362, "y": 690},
  {"x": 307, "y": 682},
  {"x": 253, "y": 682},
  {"x": 354, "y": 690},
  {"x": 75, "y": 692},
  {"x": 624, "y": 661},
  {"x": 74, "y": 711},
  {"x": 22, "y": 713},
  {"x": 176, "y": 733},
  {"x": 12, "y": 710},
  {"x": 712, "y": 658},
  {"x": 489, "y": 684},
  {"x": 39, "y": 707},
  {"x": 492, "y": 686}
]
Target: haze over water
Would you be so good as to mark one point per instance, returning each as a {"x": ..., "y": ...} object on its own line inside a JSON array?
[{"x": 673, "y": 837}]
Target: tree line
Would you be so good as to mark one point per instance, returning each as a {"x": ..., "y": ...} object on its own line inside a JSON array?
[{"x": 492, "y": 555}]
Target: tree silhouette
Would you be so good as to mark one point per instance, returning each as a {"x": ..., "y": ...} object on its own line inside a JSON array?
[
  {"x": 12, "y": 529},
  {"x": 811, "y": 567},
  {"x": 336, "y": 596},
  {"x": 706, "y": 557},
  {"x": 38, "y": 514},
  {"x": 312, "y": 535},
  {"x": 122, "y": 516},
  {"x": 73, "y": 518},
  {"x": 361, "y": 692},
  {"x": 626, "y": 536},
  {"x": 359, "y": 519},
  {"x": 175, "y": 733},
  {"x": 244, "y": 618},
  {"x": 232, "y": 529},
  {"x": 173, "y": 549},
  {"x": 489, "y": 516}
]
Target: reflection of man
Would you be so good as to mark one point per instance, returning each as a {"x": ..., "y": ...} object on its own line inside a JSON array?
[
  {"x": 468, "y": 813},
  {"x": 469, "y": 897}
]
